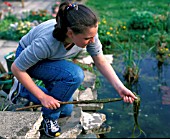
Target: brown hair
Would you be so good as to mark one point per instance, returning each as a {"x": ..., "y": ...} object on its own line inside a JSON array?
[{"x": 75, "y": 16}]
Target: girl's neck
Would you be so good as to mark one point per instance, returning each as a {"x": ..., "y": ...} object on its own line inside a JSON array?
[
  {"x": 68, "y": 44},
  {"x": 67, "y": 41}
]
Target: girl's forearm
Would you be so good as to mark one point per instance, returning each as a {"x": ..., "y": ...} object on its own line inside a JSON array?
[
  {"x": 108, "y": 72},
  {"x": 27, "y": 82}
]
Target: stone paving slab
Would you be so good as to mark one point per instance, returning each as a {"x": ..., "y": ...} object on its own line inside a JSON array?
[
  {"x": 16, "y": 124},
  {"x": 29, "y": 5},
  {"x": 2, "y": 43},
  {"x": 11, "y": 44}
]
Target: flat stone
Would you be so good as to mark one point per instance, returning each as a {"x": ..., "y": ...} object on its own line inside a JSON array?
[
  {"x": 10, "y": 44},
  {"x": 86, "y": 94},
  {"x": 88, "y": 59},
  {"x": 34, "y": 132},
  {"x": 89, "y": 80},
  {"x": 91, "y": 107},
  {"x": 2, "y": 43},
  {"x": 103, "y": 129},
  {"x": 91, "y": 121},
  {"x": 17, "y": 124},
  {"x": 109, "y": 58},
  {"x": 70, "y": 126},
  {"x": 76, "y": 95}
]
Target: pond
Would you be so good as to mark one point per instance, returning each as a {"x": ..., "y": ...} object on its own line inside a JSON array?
[{"x": 153, "y": 115}]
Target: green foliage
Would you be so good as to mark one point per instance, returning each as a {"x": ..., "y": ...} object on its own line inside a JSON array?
[
  {"x": 147, "y": 22},
  {"x": 39, "y": 16},
  {"x": 131, "y": 58},
  {"x": 85, "y": 67},
  {"x": 108, "y": 34},
  {"x": 81, "y": 88},
  {"x": 13, "y": 28},
  {"x": 105, "y": 32},
  {"x": 168, "y": 23},
  {"x": 39, "y": 82},
  {"x": 130, "y": 20},
  {"x": 97, "y": 83},
  {"x": 4, "y": 24},
  {"x": 11, "y": 17},
  {"x": 15, "y": 31},
  {"x": 141, "y": 20},
  {"x": 130, "y": 54},
  {"x": 162, "y": 46}
]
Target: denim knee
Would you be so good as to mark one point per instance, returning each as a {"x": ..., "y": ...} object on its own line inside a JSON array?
[{"x": 78, "y": 75}]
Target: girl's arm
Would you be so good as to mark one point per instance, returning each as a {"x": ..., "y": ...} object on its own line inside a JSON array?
[
  {"x": 23, "y": 77},
  {"x": 106, "y": 69}
]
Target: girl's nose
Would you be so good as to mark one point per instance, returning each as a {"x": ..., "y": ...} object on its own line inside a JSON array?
[{"x": 92, "y": 40}]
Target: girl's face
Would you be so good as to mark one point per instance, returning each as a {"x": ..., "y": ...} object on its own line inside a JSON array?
[{"x": 83, "y": 39}]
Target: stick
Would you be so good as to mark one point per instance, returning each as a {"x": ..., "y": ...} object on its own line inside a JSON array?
[{"x": 107, "y": 100}]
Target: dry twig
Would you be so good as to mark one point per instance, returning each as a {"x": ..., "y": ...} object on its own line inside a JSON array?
[{"x": 107, "y": 100}]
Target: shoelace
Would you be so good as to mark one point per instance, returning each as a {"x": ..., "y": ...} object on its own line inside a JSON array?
[{"x": 52, "y": 125}]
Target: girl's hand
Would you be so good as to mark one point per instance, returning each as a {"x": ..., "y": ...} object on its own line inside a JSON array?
[
  {"x": 50, "y": 102},
  {"x": 127, "y": 95}
]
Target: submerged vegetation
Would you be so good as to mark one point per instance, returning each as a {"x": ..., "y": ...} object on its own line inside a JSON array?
[{"x": 136, "y": 107}]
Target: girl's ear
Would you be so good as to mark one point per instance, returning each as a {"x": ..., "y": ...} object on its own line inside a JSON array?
[{"x": 69, "y": 33}]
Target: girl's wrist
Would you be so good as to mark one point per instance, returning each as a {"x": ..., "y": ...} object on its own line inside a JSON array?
[{"x": 41, "y": 96}]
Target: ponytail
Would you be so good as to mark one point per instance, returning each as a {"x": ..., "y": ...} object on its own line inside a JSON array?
[{"x": 75, "y": 16}]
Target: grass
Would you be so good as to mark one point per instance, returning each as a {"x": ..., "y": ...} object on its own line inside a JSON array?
[
  {"x": 121, "y": 13},
  {"x": 116, "y": 10},
  {"x": 134, "y": 24}
]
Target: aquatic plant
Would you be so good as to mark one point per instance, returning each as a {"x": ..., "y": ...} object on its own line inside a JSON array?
[
  {"x": 162, "y": 48},
  {"x": 136, "y": 106},
  {"x": 131, "y": 70},
  {"x": 131, "y": 74}
]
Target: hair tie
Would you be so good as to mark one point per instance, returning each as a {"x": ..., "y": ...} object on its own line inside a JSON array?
[{"x": 72, "y": 6}]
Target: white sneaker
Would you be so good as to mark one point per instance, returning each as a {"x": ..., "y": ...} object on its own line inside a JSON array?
[
  {"x": 14, "y": 91},
  {"x": 51, "y": 127}
]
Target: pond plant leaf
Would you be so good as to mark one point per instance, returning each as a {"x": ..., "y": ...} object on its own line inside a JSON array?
[{"x": 136, "y": 106}]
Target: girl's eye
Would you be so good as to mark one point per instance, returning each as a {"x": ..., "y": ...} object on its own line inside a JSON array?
[{"x": 87, "y": 39}]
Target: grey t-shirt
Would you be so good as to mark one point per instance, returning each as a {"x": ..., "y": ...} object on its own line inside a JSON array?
[{"x": 39, "y": 44}]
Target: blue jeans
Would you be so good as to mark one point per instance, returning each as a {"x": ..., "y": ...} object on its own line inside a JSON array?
[{"x": 61, "y": 79}]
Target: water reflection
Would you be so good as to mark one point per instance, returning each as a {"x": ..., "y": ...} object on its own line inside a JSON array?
[{"x": 153, "y": 116}]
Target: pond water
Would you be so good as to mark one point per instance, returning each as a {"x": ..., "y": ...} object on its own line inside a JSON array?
[{"x": 154, "y": 117}]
